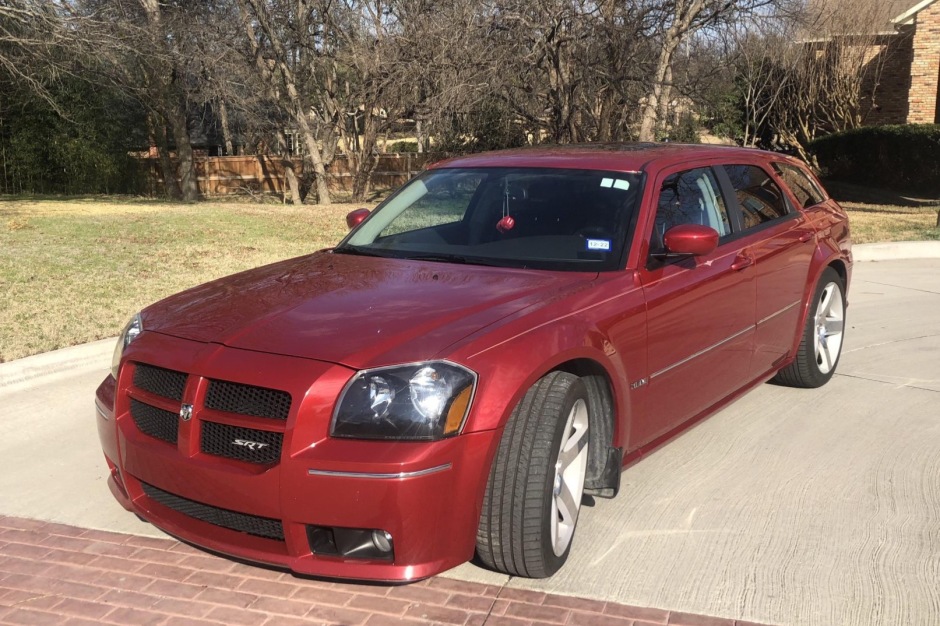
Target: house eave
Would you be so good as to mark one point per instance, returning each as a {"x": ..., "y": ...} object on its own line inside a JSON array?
[{"x": 907, "y": 18}]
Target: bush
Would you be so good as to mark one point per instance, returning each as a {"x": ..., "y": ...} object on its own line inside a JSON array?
[
  {"x": 401, "y": 147},
  {"x": 905, "y": 159}
]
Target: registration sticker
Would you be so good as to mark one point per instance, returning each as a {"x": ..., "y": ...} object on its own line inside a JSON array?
[{"x": 598, "y": 244}]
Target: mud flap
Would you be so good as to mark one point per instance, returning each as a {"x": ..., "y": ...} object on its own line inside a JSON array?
[{"x": 607, "y": 485}]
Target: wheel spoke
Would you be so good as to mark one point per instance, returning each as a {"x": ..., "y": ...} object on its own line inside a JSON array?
[
  {"x": 571, "y": 449},
  {"x": 567, "y": 507},
  {"x": 834, "y": 326},
  {"x": 826, "y": 365}
]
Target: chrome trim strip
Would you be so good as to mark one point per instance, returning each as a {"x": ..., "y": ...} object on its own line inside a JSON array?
[
  {"x": 701, "y": 352},
  {"x": 780, "y": 312},
  {"x": 100, "y": 412},
  {"x": 391, "y": 476}
]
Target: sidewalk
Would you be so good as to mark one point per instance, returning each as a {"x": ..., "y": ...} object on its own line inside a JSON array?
[{"x": 57, "y": 574}]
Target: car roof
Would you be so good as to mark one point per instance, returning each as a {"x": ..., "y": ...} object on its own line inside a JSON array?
[{"x": 617, "y": 157}]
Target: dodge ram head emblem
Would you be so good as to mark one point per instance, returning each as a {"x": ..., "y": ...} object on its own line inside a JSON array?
[
  {"x": 251, "y": 445},
  {"x": 186, "y": 412}
]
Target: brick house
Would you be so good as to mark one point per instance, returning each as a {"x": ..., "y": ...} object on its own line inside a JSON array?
[{"x": 909, "y": 46}]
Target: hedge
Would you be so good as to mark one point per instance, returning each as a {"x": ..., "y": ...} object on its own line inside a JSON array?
[{"x": 905, "y": 159}]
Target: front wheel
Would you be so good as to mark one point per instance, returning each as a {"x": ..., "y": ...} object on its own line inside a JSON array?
[
  {"x": 821, "y": 345},
  {"x": 533, "y": 494}
]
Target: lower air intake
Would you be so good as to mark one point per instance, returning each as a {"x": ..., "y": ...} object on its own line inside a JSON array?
[{"x": 241, "y": 522}]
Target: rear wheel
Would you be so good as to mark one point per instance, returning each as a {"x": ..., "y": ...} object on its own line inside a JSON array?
[
  {"x": 821, "y": 345},
  {"x": 533, "y": 494}
]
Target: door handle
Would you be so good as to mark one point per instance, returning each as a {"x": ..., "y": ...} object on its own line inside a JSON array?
[
  {"x": 742, "y": 261},
  {"x": 807, "y": 236}
]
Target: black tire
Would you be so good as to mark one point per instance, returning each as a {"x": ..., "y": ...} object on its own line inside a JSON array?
[
  {"x": 806, "y": 371},
  {"x": 515, "y": 531}
]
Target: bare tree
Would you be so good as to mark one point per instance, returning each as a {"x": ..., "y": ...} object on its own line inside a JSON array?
[
  {"x": 286, "y": 43},
  {"x": 678, "y": 21}
]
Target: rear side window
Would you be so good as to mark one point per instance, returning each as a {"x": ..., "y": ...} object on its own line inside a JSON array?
[
  {"x": 806, "y": 191},
  {"x": 760, "y": 198}
]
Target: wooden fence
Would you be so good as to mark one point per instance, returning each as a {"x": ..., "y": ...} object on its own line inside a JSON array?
[{"x": 219, "y": 176}]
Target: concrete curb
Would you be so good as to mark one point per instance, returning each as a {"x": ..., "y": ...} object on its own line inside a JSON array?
[
  {"x": 896, "y": 250},
  {"x": 94, "y": 355}
]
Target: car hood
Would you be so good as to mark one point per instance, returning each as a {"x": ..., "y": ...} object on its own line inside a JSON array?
[{"x": 354, "y": 310}]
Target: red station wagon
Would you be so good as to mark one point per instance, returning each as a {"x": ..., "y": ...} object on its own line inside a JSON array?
[{"x": 498, "y": 339}]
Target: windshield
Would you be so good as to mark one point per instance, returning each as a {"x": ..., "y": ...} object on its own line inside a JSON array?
[{"x": 575, "y": 220}]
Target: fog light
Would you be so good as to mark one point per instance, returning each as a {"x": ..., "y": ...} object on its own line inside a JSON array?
[
  {"x": 351, "y": 543},
  {"x": 382, "y": 540}
]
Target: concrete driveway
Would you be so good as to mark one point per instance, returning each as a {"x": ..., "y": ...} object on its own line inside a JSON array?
[{"x": 789, "y": 507}]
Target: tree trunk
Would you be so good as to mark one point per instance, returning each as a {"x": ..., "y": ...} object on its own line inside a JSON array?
[
  {"x": 312, "y": 150},
  {"x": 366, "y": 161},
  {"x": 226, "y": 130},
  {"x": 158, "y": 138},
  {"x": 172, "y": 104},
  {"x": 289, "y": 174},
  {"x": 184, "y": 152},
  {"x": 651, "y": 108}
]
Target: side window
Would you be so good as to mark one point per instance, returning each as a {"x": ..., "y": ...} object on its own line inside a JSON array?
[
  {"x": 760, "y": 198},
  {"x": 807, "y": 192},
  {"x": 691, "y": 197}
]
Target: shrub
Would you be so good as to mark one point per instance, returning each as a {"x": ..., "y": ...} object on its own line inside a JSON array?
[
  {"x": 901, "y": 158},
  {"x": 402, "y": 146}
]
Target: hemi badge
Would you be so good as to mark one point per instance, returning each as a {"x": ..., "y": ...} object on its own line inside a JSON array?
[
  {"x": 638, "y": 383},
  {"x": 186, "y": 412}
]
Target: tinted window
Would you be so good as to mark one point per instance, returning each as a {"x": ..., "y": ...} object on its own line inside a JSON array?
[
  {"x": 691, "y": 197},
  {"x": 758, "y": 195},
  {"x": 806, "y": 191}
]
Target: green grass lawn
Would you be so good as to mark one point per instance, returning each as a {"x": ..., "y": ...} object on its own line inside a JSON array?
[
  {"x": 873, "y": 223},
  {"x": 74, "y": 270}
]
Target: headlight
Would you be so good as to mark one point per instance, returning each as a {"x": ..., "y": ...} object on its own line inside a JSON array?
[
  {"x": 129, "y": 334},
  {"x": 420, "y": 401}
]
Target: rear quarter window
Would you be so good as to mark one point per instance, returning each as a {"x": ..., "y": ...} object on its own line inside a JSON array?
[{"x": 805, "y": 190}]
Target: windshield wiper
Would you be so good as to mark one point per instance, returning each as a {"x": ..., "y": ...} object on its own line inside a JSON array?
[
  {"x": 444, "y": 258},
  {"x": 358, "y": 251}
]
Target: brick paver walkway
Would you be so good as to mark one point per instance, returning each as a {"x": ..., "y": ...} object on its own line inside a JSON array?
[{"x": 58, "y": 574}]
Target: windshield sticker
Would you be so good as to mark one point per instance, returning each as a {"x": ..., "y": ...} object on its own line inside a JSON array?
[
  {"x": 598, "y": 244},
  {"x": 615, "y": 183}
]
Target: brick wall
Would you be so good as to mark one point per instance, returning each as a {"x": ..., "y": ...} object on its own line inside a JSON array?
[
  {"x": 925, "y": 67},
  {"x": 889, "y": 97}
]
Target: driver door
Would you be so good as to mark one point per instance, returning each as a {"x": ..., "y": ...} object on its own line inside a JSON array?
[{"x": 700, "y": 310}]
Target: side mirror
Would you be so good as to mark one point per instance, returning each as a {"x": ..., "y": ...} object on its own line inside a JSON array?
[
  {"x": 354, "y": 218},
  {"x": 693, "y": 239}
]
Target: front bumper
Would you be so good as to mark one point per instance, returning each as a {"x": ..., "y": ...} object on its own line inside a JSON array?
[{"x": 425, "y": 495}]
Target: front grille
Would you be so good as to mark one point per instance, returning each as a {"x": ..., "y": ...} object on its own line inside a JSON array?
[
  {"x": 160, "y": 381},
  {"x": 242, "y": 522},
  {"x": 241, "y": 444},
  {"x": 247, "y": 400},
  {"x": 155, "y": 422}
]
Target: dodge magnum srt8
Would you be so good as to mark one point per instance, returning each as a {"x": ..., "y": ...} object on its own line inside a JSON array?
[{"x": 497, "y": 339}]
